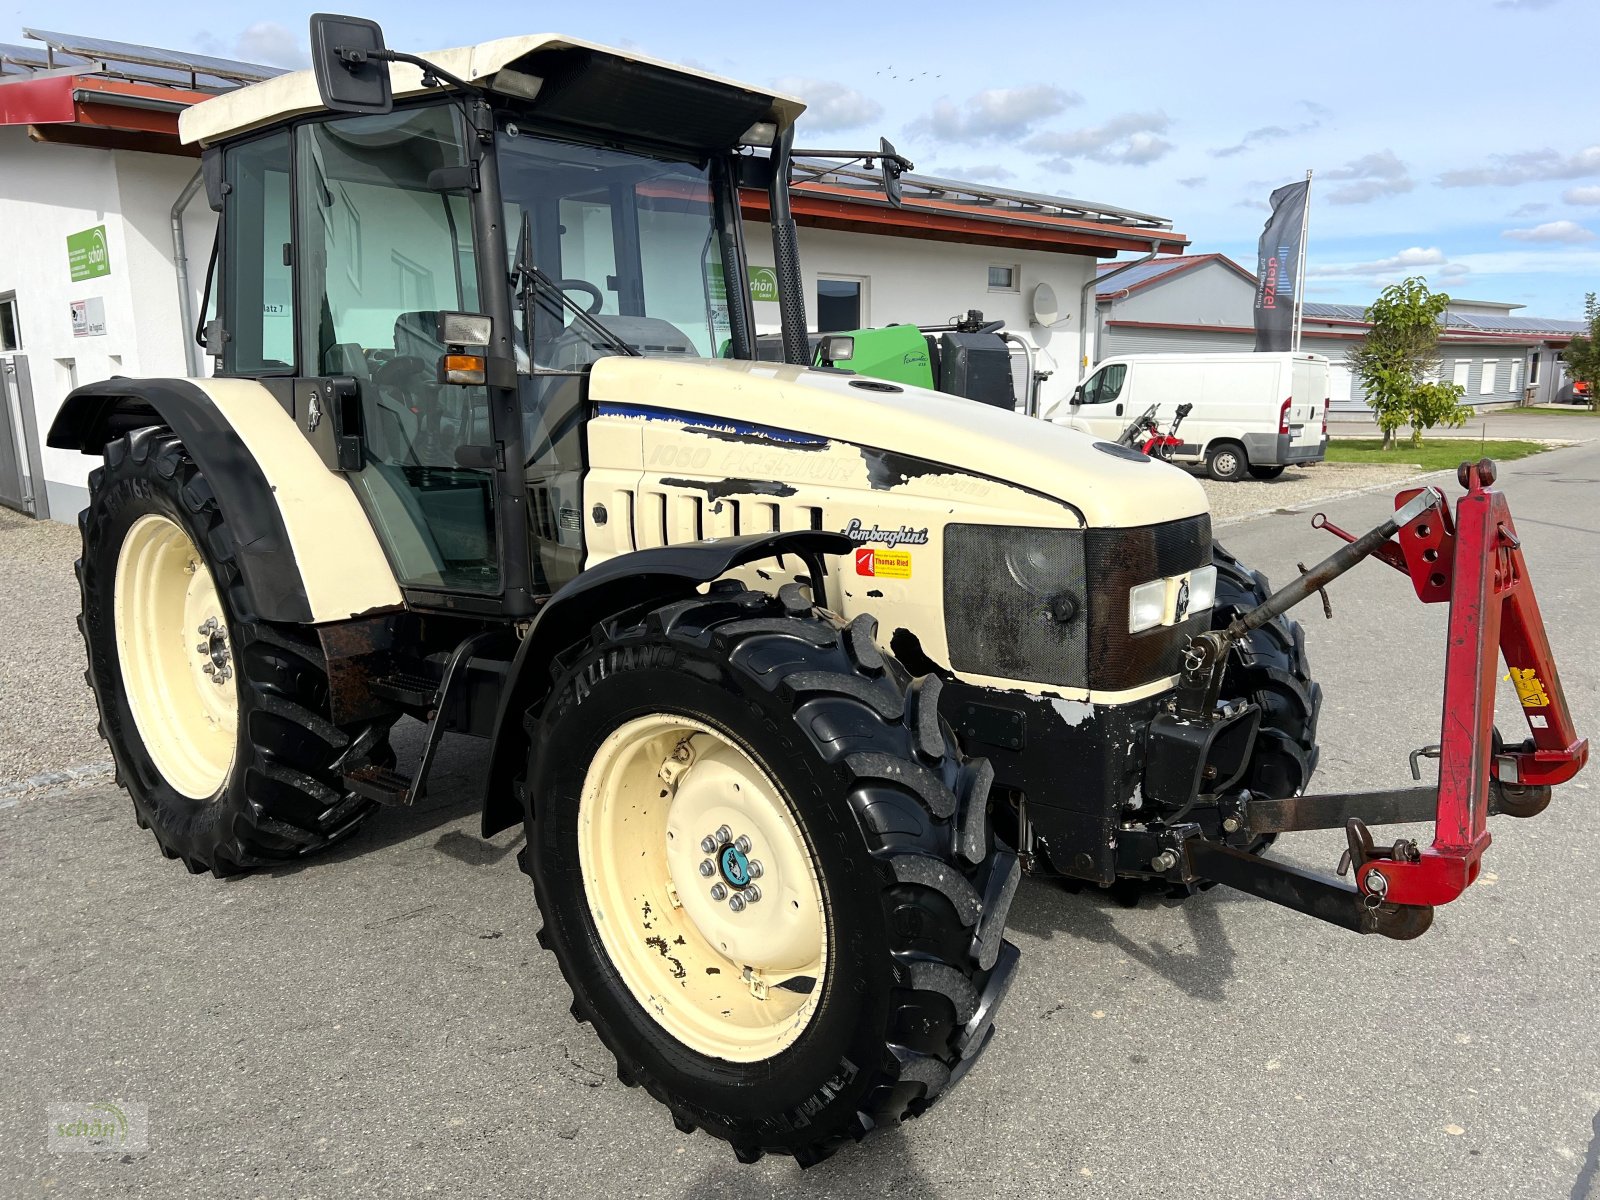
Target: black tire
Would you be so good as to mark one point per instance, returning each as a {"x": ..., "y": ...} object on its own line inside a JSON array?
[
  {"x": 1270, "y": 668},
  {"x": 915, "y": 888},
  {"x": 1226, "y": 462},
  {"x": 1266, "y": 472},
  {"x": 283, "y": 798}
]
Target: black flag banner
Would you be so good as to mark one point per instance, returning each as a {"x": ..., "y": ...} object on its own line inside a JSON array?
[{"x": 1277, "y": 266}]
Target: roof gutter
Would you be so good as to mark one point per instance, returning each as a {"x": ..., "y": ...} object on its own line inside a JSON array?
[{"x": 1090, "y": 307}]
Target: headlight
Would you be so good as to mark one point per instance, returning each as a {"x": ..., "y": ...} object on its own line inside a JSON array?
[
  {"x": 1044, "y": 564},
  {"x": 1202, "y": 589},
  {"x": 1147, "y": 605}
]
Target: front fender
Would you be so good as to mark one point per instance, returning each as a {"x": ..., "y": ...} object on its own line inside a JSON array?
[
  {"x": 641, "y": 577},
  {"x": 305, "y": 547}
]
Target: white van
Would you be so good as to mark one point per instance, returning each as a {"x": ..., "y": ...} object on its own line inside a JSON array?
[{"x": 1252, "y": 413}]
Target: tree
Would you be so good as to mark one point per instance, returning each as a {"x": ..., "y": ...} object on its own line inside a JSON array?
[
  {"x": 1398, "y": 362},
  {"x": 1582, "y": 354}
]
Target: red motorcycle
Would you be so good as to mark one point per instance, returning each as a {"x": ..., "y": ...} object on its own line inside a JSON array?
[{"x": 1145, "y": 433}]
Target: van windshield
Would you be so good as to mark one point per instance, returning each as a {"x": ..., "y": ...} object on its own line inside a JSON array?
[{"x": 629, "y": 239}]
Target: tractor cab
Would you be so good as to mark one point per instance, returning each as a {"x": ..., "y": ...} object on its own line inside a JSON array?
[{"x": 422, "y": 262}]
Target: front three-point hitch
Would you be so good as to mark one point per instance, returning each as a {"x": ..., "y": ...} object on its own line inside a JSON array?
[{"x": 1474, "y": 562}]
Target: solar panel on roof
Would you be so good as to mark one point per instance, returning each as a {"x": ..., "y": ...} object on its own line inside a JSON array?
[{"x": 187, "y": 66}]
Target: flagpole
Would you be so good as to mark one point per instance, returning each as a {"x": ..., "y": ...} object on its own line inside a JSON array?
[{"x": 1300, "y": 269}]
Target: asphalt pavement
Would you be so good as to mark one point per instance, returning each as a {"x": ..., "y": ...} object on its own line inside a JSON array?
[{"x": 381, "y": 1022}]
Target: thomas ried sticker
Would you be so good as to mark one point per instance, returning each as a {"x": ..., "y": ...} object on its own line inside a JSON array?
[{"x": 883, "y": 564}]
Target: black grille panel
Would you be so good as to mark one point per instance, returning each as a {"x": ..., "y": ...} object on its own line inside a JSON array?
[{"x": 1000, "y": 622}]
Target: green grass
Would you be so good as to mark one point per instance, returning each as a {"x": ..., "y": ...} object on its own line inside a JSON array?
[
  {"x": 1438, "y": 455},
  {"x": 1553, "y": 410}
]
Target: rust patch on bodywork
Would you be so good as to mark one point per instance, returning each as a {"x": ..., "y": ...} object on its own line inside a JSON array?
[{"x": 356, "y": 652}]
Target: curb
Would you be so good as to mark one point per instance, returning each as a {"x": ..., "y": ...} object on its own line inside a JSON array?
[
  {"x": 12, "y": 794},
  {"x": 1331, "y": 496}
]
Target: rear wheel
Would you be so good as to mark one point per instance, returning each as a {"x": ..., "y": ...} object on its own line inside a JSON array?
[
  {"x": 214, "y": 717},
  {"x": 1266, "y": 472},
  {"x": 766, "y": 871},
  {"x": 1226, "y": 461}
]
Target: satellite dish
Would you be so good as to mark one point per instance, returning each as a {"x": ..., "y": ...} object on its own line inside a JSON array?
[{"x": 1046, "y": 311}]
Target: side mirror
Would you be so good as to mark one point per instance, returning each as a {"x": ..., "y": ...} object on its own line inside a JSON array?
[
  {"x": 1077, "y": 394},
  {"x": 888, "y": 164},
  {"x": 346, "y": 58}
]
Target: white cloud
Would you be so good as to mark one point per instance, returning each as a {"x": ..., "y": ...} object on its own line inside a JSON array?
[
  {"x": 1454, "y": 270},
  {"x": 1526, "y": 166},
  {"x": 1562, "y": 232},
  {"x": 830, "y": 105},
  {"x": 1582, "y": 195},
  {"x": 1529, "y": 210},
  {"x": 1406, "y": 260},
  {"x": 271, "y": 43},
  {"x": 1128, "y": 138},
  {"x": 1368, "y": 178},
  {"x": 1193, "y": 181},
  {"x": 996, "y": 113}
]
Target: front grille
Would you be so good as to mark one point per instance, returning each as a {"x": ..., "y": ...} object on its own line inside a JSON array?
[{"x": 998, "y": 624}]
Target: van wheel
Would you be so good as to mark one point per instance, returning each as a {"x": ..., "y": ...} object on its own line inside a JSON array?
[
  {"x": 766, "y": 871},
  {"x": 1226, "y": 462},
  {"x": 1266, "y": 472}
]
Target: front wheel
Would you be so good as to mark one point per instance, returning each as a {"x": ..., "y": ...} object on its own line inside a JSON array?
[{"x": 766, "y": 871}]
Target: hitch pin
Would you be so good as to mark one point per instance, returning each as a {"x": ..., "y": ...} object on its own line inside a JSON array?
[{"x": 1425, "y": 752}]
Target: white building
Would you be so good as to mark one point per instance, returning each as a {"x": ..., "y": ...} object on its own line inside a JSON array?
[
  {"x": 1204, "y": 303},
  {"x": 106, "y": 246}
]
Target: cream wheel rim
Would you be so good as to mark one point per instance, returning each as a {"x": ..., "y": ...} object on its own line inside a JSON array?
[
  {"x": 702, "y": 888},
  {"x": 177, "y": 660}
]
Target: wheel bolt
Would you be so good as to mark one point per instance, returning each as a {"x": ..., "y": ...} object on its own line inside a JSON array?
[
  {"x": 724, "y": 834},
  {"x": 202, "y": 648},
  {"x": 752, "y": 894},
  {"x": 707, "y": 868},
  {"x": 718, "y": 892},
  {"x": 756, "y": 868},
  {"x": 208, "y": 669},
  {"x": 743, "y": 844},
  {"x": 708, "y": 844},
  {"x": 736, "y": 902}
]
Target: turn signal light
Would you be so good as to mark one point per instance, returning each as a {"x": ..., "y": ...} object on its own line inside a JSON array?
[{"x": 463, "y": 368}]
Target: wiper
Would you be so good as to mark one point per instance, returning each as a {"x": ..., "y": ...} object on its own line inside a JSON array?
[{"x": 526, "y": 272}]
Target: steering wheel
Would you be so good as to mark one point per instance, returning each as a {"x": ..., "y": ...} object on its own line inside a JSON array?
[{"x": 596, "y": 300}]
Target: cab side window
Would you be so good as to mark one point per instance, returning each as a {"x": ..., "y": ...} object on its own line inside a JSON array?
[
  {"x": 259, "y": 297},
  {"x": 1105, "y": 384}
]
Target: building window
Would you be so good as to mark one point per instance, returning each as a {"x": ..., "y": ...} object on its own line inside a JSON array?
[
  {"x": 1533, "y": 370},
  {"x": 1003, "y": 279},
  {"x": 10, "y": 330},
  {"x": 1463, "y": 371},
  {"x": 1491, "y": 371},
  {"x": 838, "y": 305}
]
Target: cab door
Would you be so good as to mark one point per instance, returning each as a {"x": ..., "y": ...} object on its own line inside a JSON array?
[{"x": 1098, "y": 405}]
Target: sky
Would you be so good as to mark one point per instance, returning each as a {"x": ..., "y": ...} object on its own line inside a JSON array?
[{"x": 1458, "y": 141}]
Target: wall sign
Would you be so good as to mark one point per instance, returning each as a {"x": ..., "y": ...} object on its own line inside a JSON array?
[
  {"x": 87, "y": 255},
  {"x": 763, "y": 283},
  {"x": 89, "y": 317}
]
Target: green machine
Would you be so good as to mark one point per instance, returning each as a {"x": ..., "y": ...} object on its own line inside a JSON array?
[{"x": 969, "y": 357}]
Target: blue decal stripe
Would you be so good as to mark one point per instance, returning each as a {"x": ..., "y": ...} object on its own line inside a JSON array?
[{"x": 721, "y": 424}]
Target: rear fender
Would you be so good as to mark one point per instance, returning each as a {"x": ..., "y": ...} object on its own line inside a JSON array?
[
  {"x": 305, "y": 548},
  {"x": 627, "y": 581}
]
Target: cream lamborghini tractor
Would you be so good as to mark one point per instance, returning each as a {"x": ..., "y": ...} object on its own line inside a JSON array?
[{"x": 789, "y": 673}]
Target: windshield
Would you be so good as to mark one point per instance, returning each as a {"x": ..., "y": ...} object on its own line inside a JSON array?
[{"x": 630, "y": 240}]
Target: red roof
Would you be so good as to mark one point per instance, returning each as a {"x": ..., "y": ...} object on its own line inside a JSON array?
[{"x": 94, "y": 110}]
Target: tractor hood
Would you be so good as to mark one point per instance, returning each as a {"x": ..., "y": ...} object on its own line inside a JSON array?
[{"x": 1109, "y": 486}]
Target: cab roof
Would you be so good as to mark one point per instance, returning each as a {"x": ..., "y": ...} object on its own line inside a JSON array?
[{"x": 584, "y": 83}]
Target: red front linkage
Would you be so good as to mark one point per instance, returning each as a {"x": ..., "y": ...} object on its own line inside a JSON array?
[{"x": 1475, "y": 563}]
